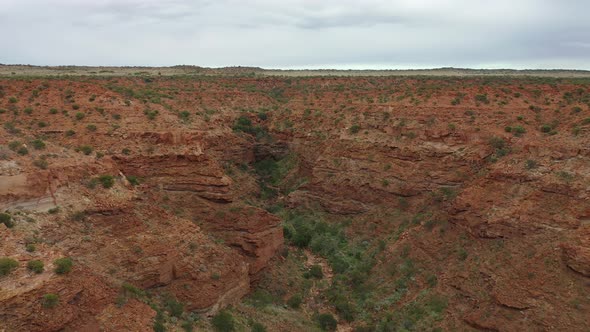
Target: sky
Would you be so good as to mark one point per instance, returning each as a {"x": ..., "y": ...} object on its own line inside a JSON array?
[{"x": 297, "y": 34}]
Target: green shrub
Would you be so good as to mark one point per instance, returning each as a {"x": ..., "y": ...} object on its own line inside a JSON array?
[
  {"x": 28, "y": 111},
  {"x": 7, "y": 265},
  {"x": 462, "y": 253},
  {"x": 107, "y": 181},
  {"x": 6, "y": 219},
  {"x": 53, "y": 111},
  {"x": 133, "y": 180},
  {"x": 482, "y": 99},
  {"x": 35, "y": 266},
  {"x": 70, "y": 133},
  {"x": 174, "y": 308},
  {"x": 327, "y": 322},
  {"x": 518, "y": 130},
  {"x": 294, "y": 301},
  {"x": 315, "y": 272},
  {"x": 223, "y": 321},
  {"x": 258, "y": 327},
  {"x": 11, "y": 128},
  {"x": 80, "y": 116},
  {"x": 151, "y": 114},
  {"x": 85, "y": 149},
  {"x": 262, "y": 116},
  {"x": 345, "y": 309},
  {"x": 531, "y": 164},
  {"x": 12, "y": 100},
  {"x": 31, "y": 247},
  {"x": 187, "y": 326},
  {"x": 355, "y": 129},
  {"x": 42, "y": 124},
  {"x": 244, "y": 124},
  {"x": 41, "y": 163},
  {"x": 159, "y": 322},
  {"x": 546, "y": 128},
  {"x": 50, "y": 300},
  {"x": 91, "y": 127},
  {"x": 184, "y": 115},
  {"x": 63, "y": 265},
  {"x": 22, "y": 151},
  {"x": 38, "y": 144}
]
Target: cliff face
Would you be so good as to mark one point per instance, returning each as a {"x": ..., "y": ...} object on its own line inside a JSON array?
[{"x": 481, "y": 184}]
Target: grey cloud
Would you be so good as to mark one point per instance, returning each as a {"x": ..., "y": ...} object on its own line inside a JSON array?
[{"x": 298, "y": 33}]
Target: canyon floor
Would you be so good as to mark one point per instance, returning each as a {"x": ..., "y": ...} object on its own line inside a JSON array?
[{"x": 236, "y": 201}]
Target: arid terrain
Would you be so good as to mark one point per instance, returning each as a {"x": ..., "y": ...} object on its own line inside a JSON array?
[{"x": 264, "y": 201}]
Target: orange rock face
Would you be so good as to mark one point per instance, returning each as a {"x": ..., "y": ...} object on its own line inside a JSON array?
[{"x": 495, "y": 187}]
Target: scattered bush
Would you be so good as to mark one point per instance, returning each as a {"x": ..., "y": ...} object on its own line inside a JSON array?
[
  {"x": 6, "y": 219},
  {"x": 7, "y": 265},
  {"x": 482, "y": 99},
  {"x": 159, "y": 322},
  {"x": 41, "y": 163},
  {"x": 184, "y": 115},
  {"x": 294, "y": 301},
  {"x": 354, "y": 129},
  {"x": 315, "y": 272},
  {"x": 327, "y": 322},
  {"x": 531, "y": 164},
  {"x": 518, "y": 130},
  {"x": 70, "y": 133},
  {"x": 91, "y": 127},
  {"x": 133, "y": 180},
  {"x": 31, "y": 247},
  {"x": 151, "y": 114},
  {"x": 85, "y": 149},
  {"x": 244, "y": 124},
  {"x": 35, "y": 266},
  {"x": 38, "y": 144},
  {"x": 80, "y": 116},
  {"x": 174, "y": 308},
  {"x": 258, "y": 327},
  {"x": 50, "y": 300},
  {"x": 223, "y": 322},
  {"x": 107, "y": 181},
  {"x": 22, "y": 151},
  {"x": 12, "y": 100},
  {"x": 63, "y": 265}
]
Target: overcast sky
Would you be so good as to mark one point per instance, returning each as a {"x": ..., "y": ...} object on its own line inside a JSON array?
[{"x": 341, "y": 34}]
